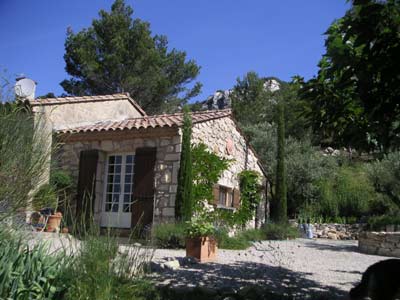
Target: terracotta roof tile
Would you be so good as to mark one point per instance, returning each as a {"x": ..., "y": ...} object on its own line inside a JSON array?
[
  {"x": 172, "y": 120},
  {"x": 72, "y": 99}
]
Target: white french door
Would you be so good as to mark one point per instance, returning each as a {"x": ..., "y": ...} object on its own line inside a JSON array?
[{"x": 118, "y": 191}]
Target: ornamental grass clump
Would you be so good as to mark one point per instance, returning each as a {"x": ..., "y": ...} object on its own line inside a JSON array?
[
  {"x": 24, "y": 155},
  {"x": 169, "y": 235},
  {"x": 104, "y": 270},
  {"x": 30, "y": 272}
]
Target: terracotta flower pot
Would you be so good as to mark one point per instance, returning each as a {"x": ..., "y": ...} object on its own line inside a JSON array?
[
  {"x": 202, "y": 248},
  {"x": 53, "y": 223}
]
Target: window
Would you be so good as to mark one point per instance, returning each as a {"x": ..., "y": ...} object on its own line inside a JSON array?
[
  {"x": 225, "y": 196},
  {"x": 119, "y": 191}
]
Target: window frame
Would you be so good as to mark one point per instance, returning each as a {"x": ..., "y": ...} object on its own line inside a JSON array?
[{"x": 228, "y": 193}]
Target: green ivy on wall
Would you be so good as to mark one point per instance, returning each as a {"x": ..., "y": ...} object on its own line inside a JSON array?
[{"x": 250, "y": 197}]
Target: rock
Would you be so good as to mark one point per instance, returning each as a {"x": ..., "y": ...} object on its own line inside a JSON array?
[
  {"x": 332, "y": 236},
  {"x": 172, "y": 265},
  {"x": 219, "y": 100},
  {"x": 329, "y": 150}
]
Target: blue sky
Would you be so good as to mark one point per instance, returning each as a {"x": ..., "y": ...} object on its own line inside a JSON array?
[{"x": 227, "y": 38}]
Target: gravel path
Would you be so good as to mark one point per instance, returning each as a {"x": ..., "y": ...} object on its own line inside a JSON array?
[{"x": 301, "y": 266}]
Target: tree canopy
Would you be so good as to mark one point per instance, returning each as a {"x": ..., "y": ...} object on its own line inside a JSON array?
[
  {"x": 119, "y": 54},
  {"x": 354, "y": 99}
]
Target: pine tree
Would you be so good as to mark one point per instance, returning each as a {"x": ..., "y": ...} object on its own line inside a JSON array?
[
  {"x": 119, "y": 53},
  {"x": 280, "y": 214},
  {"x": 183, "y": 203}
]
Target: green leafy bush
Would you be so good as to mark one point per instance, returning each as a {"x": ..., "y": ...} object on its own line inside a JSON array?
[
  {"x": 379, "y": 223},
  {"x": 238, "y": 242},
  {"x": 61, "y": 180},
  {"x": 253, "y": 235},
  {"x": 348, "y": 194},
  {"x": 274, "y": 231},
  {"x": 45, "y": 196},
  {"x": 241, "y": 241},
  {"x": 169, "y": 235},
  {"x": 385, "y": 177}
]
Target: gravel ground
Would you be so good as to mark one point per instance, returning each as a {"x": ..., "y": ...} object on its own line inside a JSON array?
[{"x": 301, "y": 266}]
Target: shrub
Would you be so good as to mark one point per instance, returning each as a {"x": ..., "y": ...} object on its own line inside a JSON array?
[
  {"x": 385, "y": 176},
  {"x": 253, "y": 234},
  {"x": 274, "y": 231},
  {"x": 169, "y": 235},
  {"x": 349, "y": 194},
  {"x": 241, "y": 241},
  {"x": 61, "y": 180},
  {"x": 238, "y": 242},
  {"x": 44, "y": 197},
  {"x": 379, "y": 222}
]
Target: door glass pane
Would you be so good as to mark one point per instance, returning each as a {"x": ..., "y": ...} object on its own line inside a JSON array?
[
  {"x": 113, "y": 183},
  {"x": 128, "y": 178},
  {"x": 117, "y": 179},
  {"x": 128, "y": 184},
  {"x": 222, "y": 196}
]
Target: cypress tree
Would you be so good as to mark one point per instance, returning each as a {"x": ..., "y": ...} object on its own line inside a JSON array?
[
  {"x": 183, "y": 202},
  {"x": 280, "y": 214}
]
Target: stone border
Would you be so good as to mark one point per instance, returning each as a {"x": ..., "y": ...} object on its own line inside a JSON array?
[{"x": 380, "y": 243}]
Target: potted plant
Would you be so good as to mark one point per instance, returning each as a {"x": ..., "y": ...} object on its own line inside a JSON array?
[
  {"x": 200, "y": 241},
  {"x": 45, "y": 201}
]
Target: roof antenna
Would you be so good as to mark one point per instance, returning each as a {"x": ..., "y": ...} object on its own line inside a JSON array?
[{"x": 25, "y": 88}]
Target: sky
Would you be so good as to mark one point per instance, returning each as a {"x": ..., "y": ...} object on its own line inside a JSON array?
[{"x": 227, "y": 38}]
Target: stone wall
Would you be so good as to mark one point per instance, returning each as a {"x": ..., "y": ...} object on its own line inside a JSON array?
[
  {"x": 337, "y": 231},
  {"x": 380, "y": 243},
  {"x": 216, "y": 134},
  {"x": 223, "y": 138},
  {"x": 166, "y": 170}
]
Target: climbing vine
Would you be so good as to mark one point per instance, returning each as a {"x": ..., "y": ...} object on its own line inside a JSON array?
[
  {"x": 207, "y": 168},
  {"x": 250, "y": 197}
]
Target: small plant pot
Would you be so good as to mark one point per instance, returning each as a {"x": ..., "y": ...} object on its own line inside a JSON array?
[
  {"x": 53, "y": 223},
  {"x": 203, "y": 249}
]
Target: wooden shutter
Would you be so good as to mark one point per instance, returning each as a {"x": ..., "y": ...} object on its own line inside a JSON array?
[
  {"x": 143, "y": 186},
  {"x": 87, "y": 183},
  {"x": 216, "y": 194},
  {"x": 236, "y": 198}
]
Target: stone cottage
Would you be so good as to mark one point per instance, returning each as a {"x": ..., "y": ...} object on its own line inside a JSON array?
[{"x": 126, "y": 163}]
